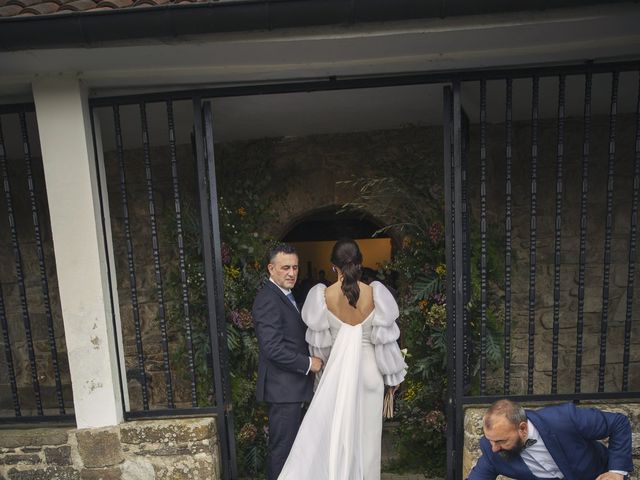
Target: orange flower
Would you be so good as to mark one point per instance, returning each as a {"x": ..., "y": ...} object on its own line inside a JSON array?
[{"x": 241, "y": 211}]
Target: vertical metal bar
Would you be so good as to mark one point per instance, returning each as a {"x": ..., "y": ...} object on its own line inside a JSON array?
[
  {"x": 459, "y": 269},
  {"x": 558, "y": 234},
  {"x": 209, "y": 209},
  {"x": 44, "y": 282},
  {"x": 3, "y": 315},
  {"x": 452, "y": 400},
  {"x": 631, "y": 275},
  {"x": 103, "y": 197},
  {"x": 219, "y": 286},
  {"x": 583, "y": 229},
  {"x": 133, "y": 289},
  {"x": 181, "y": 253},
  {"x": 507, "y": 234},
  {"x": 483, "y": 236},
  {"x": 533, "y": 230},
  {"x": 15, "y": 243},
  {"x": 607, "y": 233},
  {"x": 7, "y": 348},
  {"x": 466, "y": 250},
  {"x": 156, "y": 256}
]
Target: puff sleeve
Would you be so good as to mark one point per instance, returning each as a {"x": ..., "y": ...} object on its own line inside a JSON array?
[
  {"x": 314, "y": 315},
  {"x": 385, "y": 334}
]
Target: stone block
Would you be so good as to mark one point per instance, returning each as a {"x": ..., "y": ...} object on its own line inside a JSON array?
[
  {"x": 187, "y": 468},
  {"x": 109, "y": 473},
  {"x": 31, "y": 449},
  {"x": 635, "y": 444},
  {"x": 138, "y": 469},
  {"x": 49, "y": 473},
  {"x": 33, "y": 437},
  {"x": 99, "y": 448},
  {"x": 168, "y": 431},
  {"x": 180, "y": 449},
  {"x": 58, "y": 455},
  {"x": 17, "y": 459}
]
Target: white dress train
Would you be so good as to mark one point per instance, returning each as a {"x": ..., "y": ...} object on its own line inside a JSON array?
[{"x": 340, "y": 436}]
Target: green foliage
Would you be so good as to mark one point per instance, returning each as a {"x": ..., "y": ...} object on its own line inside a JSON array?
[
  {"x": 412, "y": 213},
  {"x": 243, "y": 215}
]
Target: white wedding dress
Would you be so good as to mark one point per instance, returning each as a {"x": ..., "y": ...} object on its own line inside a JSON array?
[{"x": 341, "y": 433}]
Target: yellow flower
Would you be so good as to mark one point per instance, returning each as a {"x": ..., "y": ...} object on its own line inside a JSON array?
[
  {"x": 411, "y": 391},
  {"x": 232, "y": 272},
  {"x": 441, "y": 270},
  {"x": 241, "y": 211},
  {"x": 424, "y": 305}
]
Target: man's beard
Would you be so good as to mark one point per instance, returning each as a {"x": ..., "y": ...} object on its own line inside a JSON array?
[{"x": 512, "y": 452}]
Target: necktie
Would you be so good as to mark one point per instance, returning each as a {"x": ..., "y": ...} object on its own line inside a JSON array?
[
  {"x": 292, "y": 300},
  {"x": 530, "y": 442}
]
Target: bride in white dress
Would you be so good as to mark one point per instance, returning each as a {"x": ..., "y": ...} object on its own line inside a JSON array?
[{"x": 352, "y": 328}]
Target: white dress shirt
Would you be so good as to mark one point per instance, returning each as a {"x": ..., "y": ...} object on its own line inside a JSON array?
[
  {"x": 287, "y": 292},
  {"x": 538, "y": 458}
]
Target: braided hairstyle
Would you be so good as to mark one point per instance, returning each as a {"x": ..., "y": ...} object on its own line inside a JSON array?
[{"x": 347, "y": 257}]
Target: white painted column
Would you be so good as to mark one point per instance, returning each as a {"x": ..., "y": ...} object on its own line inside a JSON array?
[{"x": 72, "y": 190}]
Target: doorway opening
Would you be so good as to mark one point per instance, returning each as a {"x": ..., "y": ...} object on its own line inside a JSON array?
[{"x": 314, "y": 235}]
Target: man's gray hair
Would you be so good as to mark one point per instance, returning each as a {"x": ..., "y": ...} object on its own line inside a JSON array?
[{"x": 504, "y": 408}]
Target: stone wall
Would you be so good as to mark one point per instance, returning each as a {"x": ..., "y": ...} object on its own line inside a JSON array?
[
  {"x": 473, "y": 432},
  {"x": 176, "y": 449},
  {"x": 569, "y": 254}
]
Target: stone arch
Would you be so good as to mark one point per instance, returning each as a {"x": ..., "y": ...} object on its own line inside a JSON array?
[{"x": 348, "y": 224}]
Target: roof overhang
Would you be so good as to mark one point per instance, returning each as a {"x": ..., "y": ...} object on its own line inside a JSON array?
[{"x": 171, "y": 21}]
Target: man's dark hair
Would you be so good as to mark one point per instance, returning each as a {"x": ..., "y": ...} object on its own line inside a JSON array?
[
  {"x": 505, "y": 408},
  {"x": 280, "y": 248}
]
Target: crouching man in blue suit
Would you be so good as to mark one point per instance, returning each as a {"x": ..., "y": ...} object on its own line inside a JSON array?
[{"x": 553, "y": 442}]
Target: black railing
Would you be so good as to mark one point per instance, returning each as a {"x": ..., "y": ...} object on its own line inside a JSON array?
[
  {"x": 164, "y": 205},
  {"x": 542, "y": 299},
  {"x": 25, "y": 249}
]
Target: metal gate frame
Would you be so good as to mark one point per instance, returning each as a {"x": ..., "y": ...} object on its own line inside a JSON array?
[
  {"x": 456, "y": 225},
  {"x": 456, "y": 142}
]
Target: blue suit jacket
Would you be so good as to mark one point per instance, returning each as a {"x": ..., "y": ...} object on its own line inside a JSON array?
[
  {"x": 571, "y": 435},
  {"x": 284, "y": 352}
]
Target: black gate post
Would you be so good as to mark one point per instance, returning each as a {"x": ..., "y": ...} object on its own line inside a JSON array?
[
  {"x": 203, "y": 130},
  {"x": 455, "y": 277}
]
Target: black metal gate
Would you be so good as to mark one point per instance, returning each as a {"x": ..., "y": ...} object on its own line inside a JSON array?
[
  {"x": 586, "y": 195},
  {"x": 184, "y": 287},
  {"x": 480, "y": 206}
]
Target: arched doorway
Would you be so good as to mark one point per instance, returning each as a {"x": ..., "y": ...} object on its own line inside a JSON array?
[{"x": 314, "y": 235}]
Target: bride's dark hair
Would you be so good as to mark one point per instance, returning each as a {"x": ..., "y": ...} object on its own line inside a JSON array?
[{"x": 347, "y": 257}]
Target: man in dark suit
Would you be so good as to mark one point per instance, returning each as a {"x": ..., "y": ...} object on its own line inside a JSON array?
[
  {"x": 285, "y": 379},
  {"x": 553, "y": 442}
]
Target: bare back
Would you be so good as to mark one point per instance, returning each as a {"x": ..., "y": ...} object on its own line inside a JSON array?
[{"x": 338, "y": 304}]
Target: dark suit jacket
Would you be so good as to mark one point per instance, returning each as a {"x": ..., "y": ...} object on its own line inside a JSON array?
[
  {"x": 571, "y": 435},
  {"x": 284, "y": 353}
]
